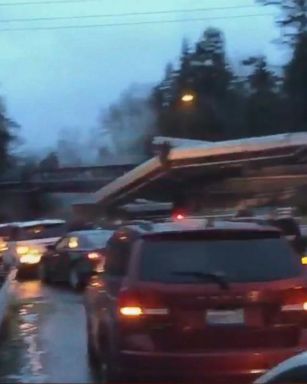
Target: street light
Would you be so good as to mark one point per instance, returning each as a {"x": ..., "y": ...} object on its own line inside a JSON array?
[{"x": 188, "y": 97}]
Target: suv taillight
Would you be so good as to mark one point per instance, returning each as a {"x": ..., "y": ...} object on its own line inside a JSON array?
[
  {"x": 94, "y": 255},
  {"x": 293, "y": 309},
  {"x": 295, "y": 300},
  {"x": 140, "y": 304}
]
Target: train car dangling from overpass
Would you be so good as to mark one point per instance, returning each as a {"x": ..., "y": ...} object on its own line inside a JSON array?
[{"x": 199, "y": 174}]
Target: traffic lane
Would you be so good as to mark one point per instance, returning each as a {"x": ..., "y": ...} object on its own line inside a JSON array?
[
  {"x": 64, "y": 337},
  {"x": 44, "y": 337}
]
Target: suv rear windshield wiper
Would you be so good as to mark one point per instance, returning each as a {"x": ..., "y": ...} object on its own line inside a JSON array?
[{"x": 214, "y": 276}]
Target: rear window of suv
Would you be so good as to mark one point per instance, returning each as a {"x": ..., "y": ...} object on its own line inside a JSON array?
[
  {"x": 237, "y": 260},
  {"x": 39, "y": 232}
]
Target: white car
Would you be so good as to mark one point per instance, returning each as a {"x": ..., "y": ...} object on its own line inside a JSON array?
[
  {"x": 291, "y": 371},
  {"x": 23, "y": 243}
]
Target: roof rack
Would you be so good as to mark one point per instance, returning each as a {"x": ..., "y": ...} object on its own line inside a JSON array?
[{"x": 144, "y": 224}]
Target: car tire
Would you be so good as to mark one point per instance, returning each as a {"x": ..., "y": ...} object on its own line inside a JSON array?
[
  {"x": 91, "y": 350},
  {"x": 20, "y": 275},
  {"x": 74, "y": 279},
  {"x": 108, "y": 367},
  {"x": 43, "y": 274},
  {"x": 107, "y": 364}
]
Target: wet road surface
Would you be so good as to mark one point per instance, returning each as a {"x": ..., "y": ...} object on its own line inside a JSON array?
[{"x": 43, "y": 339}]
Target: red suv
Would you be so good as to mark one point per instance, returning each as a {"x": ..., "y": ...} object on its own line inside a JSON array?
[{"x": 188, "y": 302}]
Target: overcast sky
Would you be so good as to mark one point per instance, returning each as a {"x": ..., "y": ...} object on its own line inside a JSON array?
[{"x": 64, "y": 78}]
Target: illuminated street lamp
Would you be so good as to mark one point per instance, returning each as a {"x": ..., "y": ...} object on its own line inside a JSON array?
[{"x": 188, "y": 97}]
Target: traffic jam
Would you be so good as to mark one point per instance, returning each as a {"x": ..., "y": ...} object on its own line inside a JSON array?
[{"x": 169, "y": 290}]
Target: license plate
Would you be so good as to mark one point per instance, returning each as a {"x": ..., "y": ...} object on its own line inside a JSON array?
[{"x": 225, "y": 317}]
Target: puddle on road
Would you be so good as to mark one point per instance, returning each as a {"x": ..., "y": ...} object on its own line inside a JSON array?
[
  {"x": 37, "y": 345},
  {"x": 20, "y": 350}
]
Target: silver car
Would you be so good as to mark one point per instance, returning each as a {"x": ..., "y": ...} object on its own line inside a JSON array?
[{"x": 293, "y": 370}]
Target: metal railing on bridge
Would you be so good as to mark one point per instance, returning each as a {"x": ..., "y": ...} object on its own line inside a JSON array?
[{"x": 67, "y": 179}]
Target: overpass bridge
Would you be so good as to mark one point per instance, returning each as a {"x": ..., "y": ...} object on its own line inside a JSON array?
[{"x": 67, "y": 179}]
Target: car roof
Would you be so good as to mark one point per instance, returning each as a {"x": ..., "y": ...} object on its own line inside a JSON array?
[
  {"x": 31, "y": 223},
  {"x": 25, "y": 224},
  {"x": 196, "y": 225},
  {"x": 264, "y": 218}
]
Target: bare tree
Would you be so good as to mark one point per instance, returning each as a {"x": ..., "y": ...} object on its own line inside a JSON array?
[{"x": 130, "y": 122}]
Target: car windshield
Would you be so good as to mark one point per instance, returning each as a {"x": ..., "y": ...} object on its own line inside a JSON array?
[
  {"x": 40, "y": 231},
  {"x": 96, "y": 239},
  {"x": 236, "y": 260}
]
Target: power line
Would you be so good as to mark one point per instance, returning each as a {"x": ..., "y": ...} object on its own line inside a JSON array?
[
  {"x": 46, "y": 2},
  {"x": 126, "y": 14},
  {"x": 109, "y": 25}
]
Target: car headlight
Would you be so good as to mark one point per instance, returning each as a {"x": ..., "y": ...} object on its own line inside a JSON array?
[
  {"x": 22, "y": 249},
  {"x": 30, "y": 259},
  {"x": 28, "y": 255}
]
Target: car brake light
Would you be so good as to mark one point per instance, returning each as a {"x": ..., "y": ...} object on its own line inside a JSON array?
[
  {"x": 131, "y": 311},
  {"x": 93, "y": 255},
  {"x": 295, "y": 300},
  {"x": 294, "y": 307},
  {"x": 179, "y": 215},
  {"x": 137, "y": 304}
]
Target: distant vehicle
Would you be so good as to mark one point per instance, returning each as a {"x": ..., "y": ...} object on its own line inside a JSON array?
[
  {"x": 290, "y": 371},
  {"x": 144, "y": 209},
  {"x": 194, "y": 300},
  {"x": 23, "y": 243},
  {"x": 287, "y": 224},
  {"x": 75, "y": 257}
]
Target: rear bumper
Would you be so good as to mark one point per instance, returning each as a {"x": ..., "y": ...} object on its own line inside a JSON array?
[
  {"x": 27, "y": 267},
  {"x": 231, "y": 366},
  {"x": 87, "y": 268}
]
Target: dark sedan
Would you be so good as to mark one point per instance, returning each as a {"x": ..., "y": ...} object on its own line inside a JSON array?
[{"x": 75, "y": 257}]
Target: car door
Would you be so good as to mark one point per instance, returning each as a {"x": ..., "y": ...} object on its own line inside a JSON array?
[
  {"x": 118, "y": 254},
  {"x": 54, "y": 259},
  {"x": 67, "y": 252}
]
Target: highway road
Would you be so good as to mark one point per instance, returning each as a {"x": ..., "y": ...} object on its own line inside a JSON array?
[{"x": 43, "y": 339}]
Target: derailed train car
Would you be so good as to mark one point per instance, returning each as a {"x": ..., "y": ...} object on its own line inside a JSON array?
[{"x": 204, "y": 175}]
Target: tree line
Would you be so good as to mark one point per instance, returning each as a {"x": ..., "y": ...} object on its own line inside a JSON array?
[
  {"x": 260, "y": 100},
  {"x": 227, "y": 105}
]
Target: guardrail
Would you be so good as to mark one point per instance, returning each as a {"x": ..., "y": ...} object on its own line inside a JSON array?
[{"x": 6, "y": 291}]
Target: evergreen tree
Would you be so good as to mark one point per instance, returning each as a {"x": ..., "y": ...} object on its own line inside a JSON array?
[
  {"x": 203, "y": 72},
  {"x": 294, "y": 17},
  {"x": 263, "y": 104},
  {"x": 295, "y": 85},
  {"x": 7, "y": 137},
  {"x": 294, "y": 28}
]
